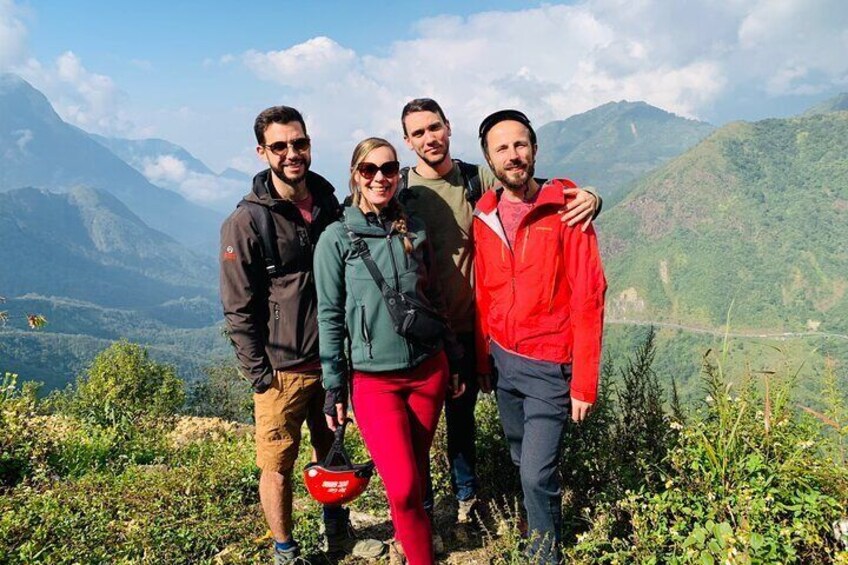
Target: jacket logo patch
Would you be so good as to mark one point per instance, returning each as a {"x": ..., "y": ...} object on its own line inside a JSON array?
[{"x": 229, "y": 254}]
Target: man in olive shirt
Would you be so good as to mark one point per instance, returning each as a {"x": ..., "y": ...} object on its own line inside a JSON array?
[{"x": 443, "y": 193}]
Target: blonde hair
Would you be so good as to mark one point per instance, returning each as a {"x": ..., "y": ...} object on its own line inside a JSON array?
[{"x": 393, "y": 210}]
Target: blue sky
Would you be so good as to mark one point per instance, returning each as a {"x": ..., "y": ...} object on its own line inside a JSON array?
[{"x": 197, "y": 73}]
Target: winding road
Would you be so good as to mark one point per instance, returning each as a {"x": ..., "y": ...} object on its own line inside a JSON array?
[{"x": 721, "y": 333}]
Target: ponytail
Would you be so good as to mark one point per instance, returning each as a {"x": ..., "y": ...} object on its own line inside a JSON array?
[{"x": 400, "y": 223}]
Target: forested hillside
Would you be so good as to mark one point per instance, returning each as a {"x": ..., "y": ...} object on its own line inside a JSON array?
[
  {"x": 612, "y": 145},
  {"x": 755, "y": 216}
]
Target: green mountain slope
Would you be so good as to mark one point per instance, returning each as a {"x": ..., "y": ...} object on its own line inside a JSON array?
[
  {"x": 86, "y": 245},
  {"x": 838, "y": 103},
  {"x": 184, "y": 333},
  {"x": 755, "y": 216},
  {"x": 98, "y": 273},
  {"x": 614, "y": 144},
  {"x": 55, "y": 359}
]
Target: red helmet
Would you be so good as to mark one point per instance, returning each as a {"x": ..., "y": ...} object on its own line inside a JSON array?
[{"x": 336, "y": 480}]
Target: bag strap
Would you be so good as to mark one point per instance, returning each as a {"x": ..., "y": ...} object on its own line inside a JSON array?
[
  {"x": 337, "y": 450},
  {"x": 469, "y": 173},
  {"x": 364, "y": 253},
  {"x": 471, "y": 181},
  {"x": 403, "y": 184},
  {"x": 264, "y": 223}
]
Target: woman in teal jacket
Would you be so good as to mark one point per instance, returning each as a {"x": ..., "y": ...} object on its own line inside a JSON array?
[{"x": 398, "y": 385}]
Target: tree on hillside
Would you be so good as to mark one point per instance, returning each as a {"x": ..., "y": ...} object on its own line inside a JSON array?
[{"x": 124, "y": 386}]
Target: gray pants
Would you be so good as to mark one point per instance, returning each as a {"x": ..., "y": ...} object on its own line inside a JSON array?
[{"x": 534, "y": 403}]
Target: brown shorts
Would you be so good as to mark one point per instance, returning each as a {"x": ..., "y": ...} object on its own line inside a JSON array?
[{"x": 292, "y": 398}]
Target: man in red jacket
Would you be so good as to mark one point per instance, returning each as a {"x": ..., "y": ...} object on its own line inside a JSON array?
[{"x": 540, "y": 305}]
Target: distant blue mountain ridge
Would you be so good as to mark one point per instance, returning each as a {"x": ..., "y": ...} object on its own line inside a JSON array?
[
  {"x": 40, "y": 150},
  {"x": 169, "y": 165}
]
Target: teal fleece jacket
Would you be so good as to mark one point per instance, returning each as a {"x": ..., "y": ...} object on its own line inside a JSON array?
[{"x": 351, "y": 309}]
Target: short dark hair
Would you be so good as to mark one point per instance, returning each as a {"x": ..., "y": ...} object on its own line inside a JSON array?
[
  {"x": 503, "y": 116},
  {"x": 275, "y": 115},
  {"x": 421, "y": 105}
]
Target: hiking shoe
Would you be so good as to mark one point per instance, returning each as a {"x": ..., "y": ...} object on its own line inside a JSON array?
[
  {"x": 467, "y": 511},
  {"x": 289, "y": 556},
  {"x": 339, "y": 538}
]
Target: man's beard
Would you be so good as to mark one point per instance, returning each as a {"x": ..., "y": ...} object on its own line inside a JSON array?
[
  {"x": 280, "y": 172},
  {"x": 435, "y": 162},
  {"x": 517, "y": 185}
]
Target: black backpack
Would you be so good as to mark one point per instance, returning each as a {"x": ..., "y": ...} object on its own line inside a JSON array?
[
  {"x": 470, "y": 180},
  {"x": 261, "y": 216}
]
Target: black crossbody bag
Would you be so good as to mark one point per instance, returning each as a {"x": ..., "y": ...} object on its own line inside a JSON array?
[{"x": 410, "y": 317}]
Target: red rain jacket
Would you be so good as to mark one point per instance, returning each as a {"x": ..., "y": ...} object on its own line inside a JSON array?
[{"x": 545, "y": 298}]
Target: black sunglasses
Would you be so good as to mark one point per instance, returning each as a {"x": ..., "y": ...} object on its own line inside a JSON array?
[
  {"x": 300, "y": 145},
  {"x": 369, "y": 170}
]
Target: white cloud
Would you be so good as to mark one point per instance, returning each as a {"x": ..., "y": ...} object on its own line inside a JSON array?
[
  {"x": 211, "y": 190},
  {"x": 168, "y": 171},
  {"x": 308, "y": 63},
  {"x": 13, "y": 35},
  {"x": 557, "y": 60},
  {"x": 794, "y": 46},
  {"x": 221, "y": 61},
  {"x": 164, "y": 168},
  {"x": 551, "y": 61},
  {"x": 246, "y": 162},
  {"x": 89, "y": 100},
  {"x": 24, "y": 136}
]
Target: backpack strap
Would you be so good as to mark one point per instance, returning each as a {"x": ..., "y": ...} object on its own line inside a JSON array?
[
  {"x": 469, "y": 173},
  {"x": 403, "y": 184},
  {"x": 264, "y": 223},
  {"x": 471, "y": 181},
  {"x": 362, "y": 251}
]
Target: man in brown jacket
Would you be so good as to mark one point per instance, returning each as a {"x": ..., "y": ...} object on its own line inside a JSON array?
[{"x": 268, "y": 294}]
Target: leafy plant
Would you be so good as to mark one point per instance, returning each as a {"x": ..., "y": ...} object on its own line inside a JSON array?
[
  {"x": 222, "y": 393},
  {"x": 746, "y": 483},
  {"x": 18, "y": 441},
  {"x": 123, "y": 386}
]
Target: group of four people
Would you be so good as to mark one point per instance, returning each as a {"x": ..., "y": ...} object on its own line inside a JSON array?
[{"x": 511, "y": 262}]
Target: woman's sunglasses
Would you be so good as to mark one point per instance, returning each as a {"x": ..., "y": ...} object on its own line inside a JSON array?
[{"x": 369, "y": 170}]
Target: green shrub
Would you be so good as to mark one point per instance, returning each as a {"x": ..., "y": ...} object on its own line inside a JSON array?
[
  {"x": 19, "y": 441},
  {"x": 747, "y": 482},
  {"x": 191, "y": 506},
  {"x": 494, "y": 464},
  {"x": 747, "y": 477},
  {"x": 620, "y": 447},
  {"x": 223, "y": 393},
  {"x": 124, "y": 387}
]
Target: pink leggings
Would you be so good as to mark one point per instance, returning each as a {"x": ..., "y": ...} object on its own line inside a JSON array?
[{"x": 397, "y": 414}]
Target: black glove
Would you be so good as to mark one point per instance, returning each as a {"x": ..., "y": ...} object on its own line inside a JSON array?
[{"x": 334, "y": 396}]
